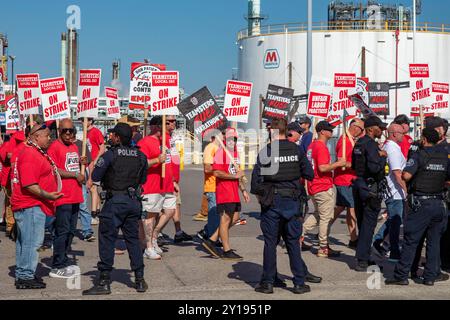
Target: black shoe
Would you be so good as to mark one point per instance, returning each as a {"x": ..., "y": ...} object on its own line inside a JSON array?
[
  {"x": 416, "y": 278},
  {"x": 264, "y": 287},
  {"x": 182, "y": 237},
  {"x": 218, "y": 244},
  {"x": 353, "y": 244},
  {"x": 301, "y": 289},
  {"x": 230, "y": 255},
  {"x": 428, "y": 283},
  {"x": 378, "y": 246},
  {"x": 29, "y": 284},
  {"x": 305, "y": 247},
  {"x": 396, "y": 282},
  {"x": 103, "y": 286},
  {"x": 210, "y": 246},
  {"x": 141, "y": 285},
  {"x": 361, "y": 266},
  {"x": 312, "y": 278},
  {"x": 278, "y": 283},
  {"x": 89, "y": 238},
  {"x": 442, "y": 277},
  {"x": 202, "y": 234}
]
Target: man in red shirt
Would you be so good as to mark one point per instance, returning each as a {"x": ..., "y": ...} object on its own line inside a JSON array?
[
  {"x": 6, "y": 152},
  {"x": 158, "y": 193},
  {"x": 343, "y": 179},
  {"x": 228, "y": 184},
  {"x": 171, "y": 125},
  {"x": 96, "y": 145},
  {"x": 34, "y": 191},
  {"x": 403, "y": 120},
  {"x": 67, "y": 159},
  {"x": 321, "y": 188}
]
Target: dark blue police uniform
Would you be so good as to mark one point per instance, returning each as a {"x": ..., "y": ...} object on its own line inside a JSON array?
[
  {"x": 427, "y": 216},
  {"x": 276, "y": 180},
  {"x": 121, "y": 170},
  {"x": 370, "y": 171}
]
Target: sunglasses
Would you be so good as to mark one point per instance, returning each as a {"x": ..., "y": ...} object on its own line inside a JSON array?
[{"x": 67, "y": 130}]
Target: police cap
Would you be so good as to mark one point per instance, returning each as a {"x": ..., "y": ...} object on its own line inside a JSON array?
[
  {"x": 122, "y": 130},
  {"x": 295, "y": 126},
  {"x": 304, "y": 119},
  {"x": 374, "y": 121}
]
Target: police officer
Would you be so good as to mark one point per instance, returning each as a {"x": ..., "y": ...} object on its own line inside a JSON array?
[
  {"x": 369, "y": 163},
  {"x": 426, "y": 173},
  {"x": 276, "y": 182},
  {"x": 441, "y": 127},
  {"x": 121, "y": 171}
]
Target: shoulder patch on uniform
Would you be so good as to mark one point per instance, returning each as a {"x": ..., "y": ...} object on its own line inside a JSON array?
[
  {"x": 100, "y": 162},
  {"x": 410, "y": 162}
]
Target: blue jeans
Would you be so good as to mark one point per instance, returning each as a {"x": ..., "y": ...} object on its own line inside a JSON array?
[
  {"x": 85, "y": 214},
  {"x": 392, "y": 225},
  {"x": 213, "y": 215},
  {"x": 65, "y": 227},
  {"x": 30, "y": 235}
]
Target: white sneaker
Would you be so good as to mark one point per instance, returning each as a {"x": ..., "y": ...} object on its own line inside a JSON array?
[
  {"x": 95, "y": 221},
  {"x": 156, "y": 247},
  {"x": 64, "y": 273},
  {"x": 151, "y": 254}
]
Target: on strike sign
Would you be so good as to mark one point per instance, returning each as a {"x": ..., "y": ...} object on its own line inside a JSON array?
[
  {"x": 440, "y": 97},
  {"x": 55, "y": 103},
  {"x": 344, "y": 87},
  {"x": 420, "y": 88},
  {"x": 165, "y": 93},
  {"x": 278, "y": 101},
  {"x": 88, "y": 93},
  {"x": 237, "y": 101},
  {"x": 28, "y": 93},
  {"x": 141, "y": 83},
  {"x": 12, "y": 114},
  {"x": 319, "y": 98},
  {"x": 202, "y": 112},
  {"x": 112, "y": 103}
]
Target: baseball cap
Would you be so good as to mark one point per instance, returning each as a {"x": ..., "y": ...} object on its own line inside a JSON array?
[
  {"x": 324, "y": 125},
  {"x": 401, "y": 119},
  {"x": 156, "y": 121},
  {"x": 374, "y": 121},
  {"x": 295, "y": 126},
  {"x": 231, "y": 133},
  {"x": 123, "y": 130},
  {"x": 304, "y": 119},
  {"x": 434, "y": 122}
]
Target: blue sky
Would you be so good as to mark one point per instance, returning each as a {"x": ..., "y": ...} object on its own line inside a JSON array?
[{"x": 195, "y": 37}]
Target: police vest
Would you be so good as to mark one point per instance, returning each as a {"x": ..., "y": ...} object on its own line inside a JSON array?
[
  {"x": 359, "y": 161},
  {"x": 432, "y": 174},
  {"x": 287, "y": 160},
  {"x": 125, "y": 169}
]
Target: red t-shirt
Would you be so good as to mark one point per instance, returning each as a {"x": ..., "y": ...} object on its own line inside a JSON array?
[
  {"x": 406, "y": 144},
  {"x": 32, "y": 168},
  {"x": 67, "y": 158},
  {"x": 14, "y": 156},
  {"x": 175, "y": 159},
  {"x": 227, "y": 191},
  {"x": 151, "y": 147},
  {"x": 6, "y": 148},
  {"x": 341, "y": 177},
  {"x": 318, "y": 155},
  {"x": 96, "y": 139}
]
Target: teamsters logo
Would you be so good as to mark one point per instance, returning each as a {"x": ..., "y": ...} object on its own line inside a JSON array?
[{"x": 271, "y": 59}]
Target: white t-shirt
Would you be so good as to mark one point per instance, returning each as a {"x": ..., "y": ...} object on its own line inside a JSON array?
[{"x": 396, "y": 161}]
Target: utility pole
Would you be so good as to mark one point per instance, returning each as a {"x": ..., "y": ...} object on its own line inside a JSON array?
[
  {"x": 13, "y": 80},
  {"x": 290, "y": 74},
  {"x": 309, "y": 47},
  {"x": 363, "y": 62}
]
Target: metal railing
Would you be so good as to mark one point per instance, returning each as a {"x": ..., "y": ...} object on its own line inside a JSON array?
[{"x": 355, "y": 25}]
